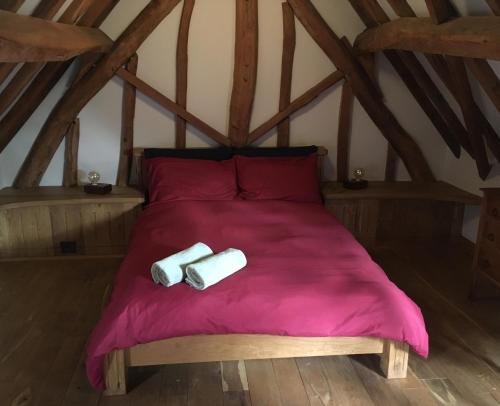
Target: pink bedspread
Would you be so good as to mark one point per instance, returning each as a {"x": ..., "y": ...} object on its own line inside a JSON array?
[{"x": 306, "y": 276}]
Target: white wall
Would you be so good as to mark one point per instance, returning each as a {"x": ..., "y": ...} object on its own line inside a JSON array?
[{"x": 210, "y": 79}]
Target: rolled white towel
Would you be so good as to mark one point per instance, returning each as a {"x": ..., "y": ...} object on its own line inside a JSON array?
[
  {"x": 171, "y": 270},
  {"x": 213, "y": 269}
]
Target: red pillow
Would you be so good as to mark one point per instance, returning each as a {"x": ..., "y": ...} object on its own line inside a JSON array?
[
  {"x": 191, "y": 179},
  {"x": 283, "y": 178}
]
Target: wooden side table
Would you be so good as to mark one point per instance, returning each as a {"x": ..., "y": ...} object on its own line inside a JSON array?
[
  {"x": 56, "y": 221},
  {"x": 399, "y": 210}
]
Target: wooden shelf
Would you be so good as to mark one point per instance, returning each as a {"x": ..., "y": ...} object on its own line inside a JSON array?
[
  {"x": 56, "y": 195},
  {"x": 437, "y": 191}
]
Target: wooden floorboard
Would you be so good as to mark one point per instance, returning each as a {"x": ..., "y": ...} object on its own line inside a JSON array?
[{"x": 47, "y": 311}]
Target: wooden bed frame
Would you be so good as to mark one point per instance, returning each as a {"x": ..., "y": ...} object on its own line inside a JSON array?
[{"x": 232, "y": 347}]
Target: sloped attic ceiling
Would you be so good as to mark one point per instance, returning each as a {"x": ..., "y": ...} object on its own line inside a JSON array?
[{"x": 29, "y": 86}]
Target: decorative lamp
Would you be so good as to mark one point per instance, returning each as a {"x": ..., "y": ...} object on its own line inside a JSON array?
[
  {"x": 357, "y": 182},
  {"x": 94, "y": 187}
]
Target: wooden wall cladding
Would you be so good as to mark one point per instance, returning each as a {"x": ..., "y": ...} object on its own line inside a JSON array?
[
  {"x": 36, "y": 226},
  {"x": 97, "y": 229}
]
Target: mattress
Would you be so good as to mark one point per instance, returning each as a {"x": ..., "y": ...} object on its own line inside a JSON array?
[{"x": 306, "y": 276}]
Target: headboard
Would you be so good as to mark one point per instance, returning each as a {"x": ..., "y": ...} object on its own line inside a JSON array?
[{"x": 137, "y": 176}]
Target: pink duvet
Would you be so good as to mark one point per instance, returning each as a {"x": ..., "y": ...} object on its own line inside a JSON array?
[{"x": 306, "y": 276}]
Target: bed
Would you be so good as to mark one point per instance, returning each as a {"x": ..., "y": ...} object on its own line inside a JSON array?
[{"x": 309, "y": 289}]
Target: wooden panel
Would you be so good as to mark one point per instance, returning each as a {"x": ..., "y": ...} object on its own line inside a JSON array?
[
  {"x": 128, "y": 116},
  {"x": 181, "y": 71},
  {"x": 70, "y": 171},
  {"x": 36, "y": 229},
  {"x": 245, "y": 71},
  {"x": 289, "y": 42},
  {"x": 235, "y": 383},
  {"x": 240, "y": 346},
  {"x": 54, "y": 41}
]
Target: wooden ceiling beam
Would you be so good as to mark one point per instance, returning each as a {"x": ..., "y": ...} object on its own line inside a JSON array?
[
  {"x": 45, "y": 9},
  {"x": 70, "y": 105},
  {"x": 473, "y": 37},
  {"x": 440, "y": 66},
  {"x": 28, "y": 71},
  {"x": 39, "y": 88},
  {"x": 364, "y": 89},
  {"x": 487, "y": 78},
  {"x": 418, "y": 82},
  {"x": 11, "y": 5},
  {"x": 29, "y": 39}
]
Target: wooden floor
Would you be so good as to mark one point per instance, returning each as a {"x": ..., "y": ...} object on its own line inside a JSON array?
[{"x": 48, "y": 309}]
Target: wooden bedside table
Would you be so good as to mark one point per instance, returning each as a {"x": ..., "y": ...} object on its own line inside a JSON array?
[
  {"x": 56, "y": 221},
  {"x": 399, "y": 210}
]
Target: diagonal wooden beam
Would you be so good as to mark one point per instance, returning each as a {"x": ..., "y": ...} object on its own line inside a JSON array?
[
  {"x": 245, "y": 71},
  {"x": 474, "y": 37},
  {"x": 418, "y": 82},
  {"x": 364, "y": 89},
  {"x": 466, "y": 101},
  {"x": 296, "y": 105},
  {"x": 11, "y": 5},
  {"x": 172, "y": 106},
  {"x": 77, "y": 97},
  {"x": 486, "y": 77},
  {"x": 289, "y": 43},
  {"x": 440, "y": 11},
  {"x": 39, "y": 88},
  {"x": 28, "y": 71},
  {"x": 438, "y": 63},
  {"x": 182, "y": 71},
  {"x": 495, "y": 6}
]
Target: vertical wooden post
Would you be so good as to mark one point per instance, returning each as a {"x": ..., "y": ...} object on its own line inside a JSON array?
[
  {"x": 70, "y": 174},
  {"x": 245, "y": 71},
  {"x": 115, "y": 373},
  {"x": 289, "y": 43},
  {"x": 344, "y": 132},
  {"x": 128, "y": 115},
  {"x": 394, "y": 359},
  {"x": 182, "y": 71}
]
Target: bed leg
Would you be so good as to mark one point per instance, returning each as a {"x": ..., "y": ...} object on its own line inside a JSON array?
[
  {"x": 394, "y": 360},
  {"x": 115, "y": 373}
]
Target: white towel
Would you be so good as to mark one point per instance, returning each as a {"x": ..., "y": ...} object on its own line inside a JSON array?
[
  {"x": 171, "y": 270},
  {"x": 213, "y": 269}
]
